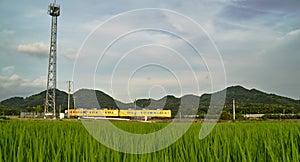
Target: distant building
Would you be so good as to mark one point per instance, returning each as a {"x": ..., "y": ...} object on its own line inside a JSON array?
[
  {"x": 31, "y": 114},
  {"x": 253, "y": 116}
]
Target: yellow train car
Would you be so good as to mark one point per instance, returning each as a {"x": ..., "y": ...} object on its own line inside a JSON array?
[
  {"x": 149, "y": 113},
  {"x": 119, "y": 113}
]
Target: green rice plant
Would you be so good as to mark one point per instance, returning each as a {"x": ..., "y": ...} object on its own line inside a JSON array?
[{"x": 70, "y": 141}]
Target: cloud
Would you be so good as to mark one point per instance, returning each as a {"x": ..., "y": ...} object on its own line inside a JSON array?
[
  {"x": 8, "y": 70},
  {"x": 273, "y": 6},
  {"x": 37, "y": 12},
  {"x": 69, "y": 53},
  {"x": 256, "y": 38},
  {"x": 294, "y": 32},
  {"x": 123, "y": 86},
  {"x": 240, "y": 12},
  {"x": 37, "y": 49},
  {"x": 245, "y": 10},
  {"x": 7, "y": 32},
  {"x": 276, "y": 15},
  {"x": 41, "y": 50},
  {"x": 15, "y": 85},
  {"x": 72, "y": 54},
  {"x": 275, "y": 69}
]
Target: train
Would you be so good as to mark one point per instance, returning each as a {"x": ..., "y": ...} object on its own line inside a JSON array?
[{"x": 118, "y": 113}]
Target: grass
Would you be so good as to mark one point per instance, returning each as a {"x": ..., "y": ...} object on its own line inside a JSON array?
[{"x": 70, "y": 141}]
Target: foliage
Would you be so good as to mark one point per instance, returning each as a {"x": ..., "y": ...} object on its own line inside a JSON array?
[
  {"x": 14, "y": 102},
  {"x": 226, "y": 115},
  {"x": 281, "y": 116},
  {"x": 86, "y": 98},
  {"x": 35, "y": 100},
  {"x": 5, "y": 110},
  {"x": 4, "y": 118},
  {"x": 172, "y": 103},
  {"x": 69, "y": 141},
  {"x": 247, "y": 102}
]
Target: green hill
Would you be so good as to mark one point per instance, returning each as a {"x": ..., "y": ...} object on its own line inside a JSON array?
[
  {"x": 255, "y": 101},
  {"x": 86, "y": 98},
  {"x": 35, "y": 100},
  {"x": 248, "y": 101}
]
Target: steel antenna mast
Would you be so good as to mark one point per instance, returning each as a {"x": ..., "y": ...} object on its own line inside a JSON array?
[{"x": 50, "y": 104}]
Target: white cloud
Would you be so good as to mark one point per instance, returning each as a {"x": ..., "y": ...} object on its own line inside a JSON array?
[
  {"x": 71, "y": 54},
  {"x": 15, "y": 85},
  {"x": 8, "y": 70},
  {"x": 10, "y": 81},
  {"x": 245, "y": 31},
  {"x": 38, "y": 49},
  {"x": 7, "y": 32},
  {"x": 35, "y": 13},
  {"x": 294, "y": 32},
  {"x": 41, "y": 49},
  {"x": 37, "y": 83}
]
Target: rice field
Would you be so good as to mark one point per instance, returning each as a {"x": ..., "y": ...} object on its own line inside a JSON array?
[{"x": 70, "y": 141}]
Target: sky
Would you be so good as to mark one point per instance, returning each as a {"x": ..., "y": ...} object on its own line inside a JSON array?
[{"x": 147, "y": 49}]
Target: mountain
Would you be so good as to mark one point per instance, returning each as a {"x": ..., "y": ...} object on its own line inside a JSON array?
[
  {"x": 248, "y": 101},
  {"x": 255, "y": 96},
  {"x": 255, "y": 101},
  {"x": 35, "y": 100},
  {"x": 32, "y": 103},
  {"x": 86, "y": 98}
]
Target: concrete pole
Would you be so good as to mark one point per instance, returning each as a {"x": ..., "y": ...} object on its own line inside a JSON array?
[
  {"x": 233, "y": 109},
  {"x": 69, "y": 90}
]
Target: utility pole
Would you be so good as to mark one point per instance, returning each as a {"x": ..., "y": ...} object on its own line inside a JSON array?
[
  {"x": 54, "y": 12},
  {"x": 180, "y": 115},
  {"x": 135, "y": 109},
  {"x": 233, "y": 108},
  {"x": 69, "y": 96},
  {"x": 74, "y": 98}
]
